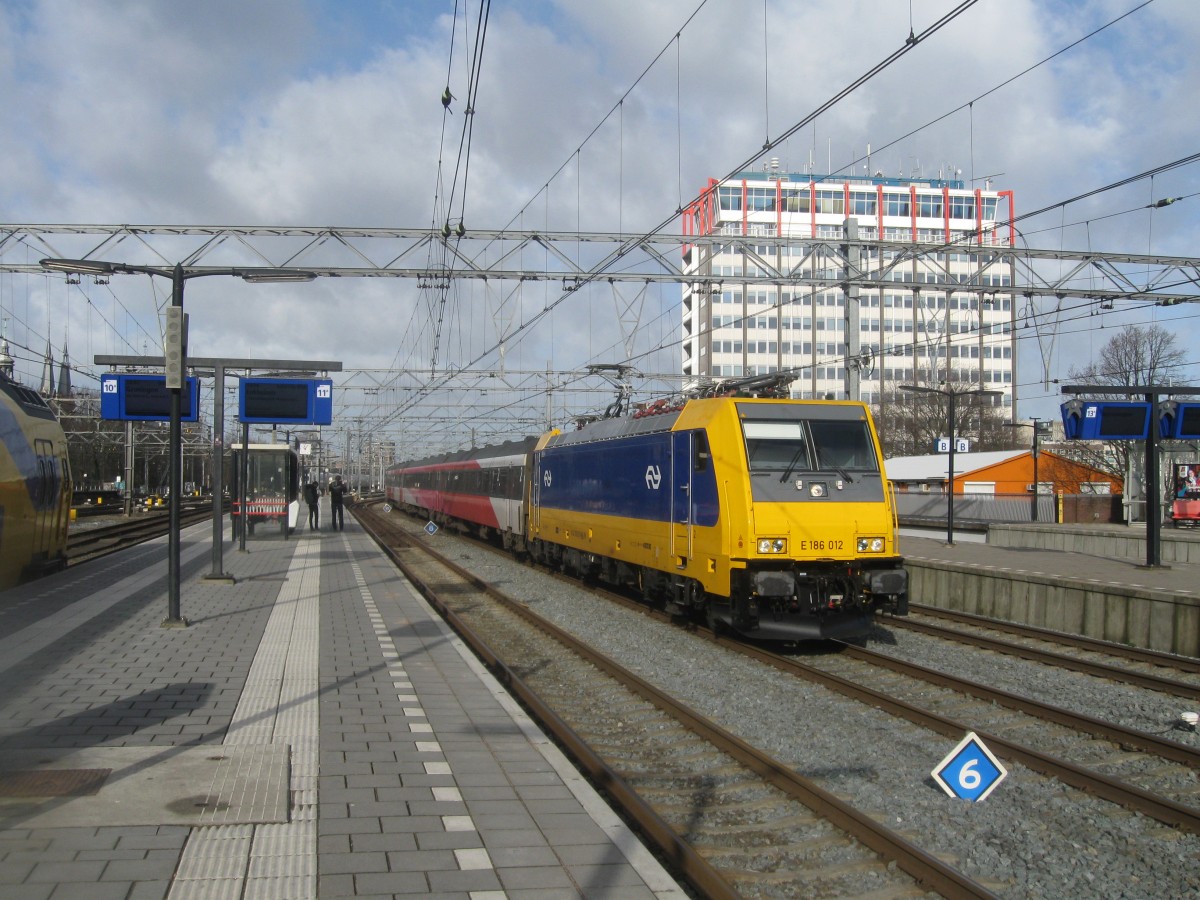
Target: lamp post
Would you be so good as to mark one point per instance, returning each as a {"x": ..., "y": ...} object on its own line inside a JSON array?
[
  {"x": 952, "y": 396},
  {"x": 175, "y": 358},
  {"x": 1036, "y": 423}
]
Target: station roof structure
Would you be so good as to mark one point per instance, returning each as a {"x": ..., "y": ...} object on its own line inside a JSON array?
[
  {"x": 497, "y": 256},
  {"x": 935, "y": 468}
]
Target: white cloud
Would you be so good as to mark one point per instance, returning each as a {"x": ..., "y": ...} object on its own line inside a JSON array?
[{"x": 278, "y": 113}]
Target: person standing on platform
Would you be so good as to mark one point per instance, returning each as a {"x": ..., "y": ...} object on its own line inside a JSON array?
[
  {"x": 312, "y": 497},
  {"x": 337, "y": 490}
]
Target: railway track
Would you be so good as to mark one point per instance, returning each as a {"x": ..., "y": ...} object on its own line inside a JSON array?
[
  {"x": 1158, "y": 781},
  {"x": 92, "y": 543},
  {"x": 733, "y": 819},
  {"x": 1178, "y": 676},
  {"x": 1160, "y": 784},
  {"x": 1142, "y": 772}
]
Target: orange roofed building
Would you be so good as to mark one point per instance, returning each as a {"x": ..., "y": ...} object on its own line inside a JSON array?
[{"x": 999, "y": 473}]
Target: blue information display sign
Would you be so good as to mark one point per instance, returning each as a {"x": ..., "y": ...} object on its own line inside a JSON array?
[
  {"x": 1105, "y": 420},
  {"x": 145, "y": 398},
  {"x": 286, "y": 401},
  {"x": 1182, "y": 423},
  {"x": 970, "y": 771}
]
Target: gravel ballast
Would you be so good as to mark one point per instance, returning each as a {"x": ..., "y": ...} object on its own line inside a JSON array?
[{"x": 1034, "y": 836}]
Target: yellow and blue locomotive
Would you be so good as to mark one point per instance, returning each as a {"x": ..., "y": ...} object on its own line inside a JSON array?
[
  {"x": 35, "y": 485},
  {"x": 771, "y": 517}
]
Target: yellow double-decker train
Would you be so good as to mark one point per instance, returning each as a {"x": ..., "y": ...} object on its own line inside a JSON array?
[{"x": 35, "y": 485}]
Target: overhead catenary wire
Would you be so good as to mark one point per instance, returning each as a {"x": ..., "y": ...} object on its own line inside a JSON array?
[
  {"x": 1024, "y": 216},
  {"x": 86, "y": 371},
  {"x": 1000, "y": 86},
  {"x": 912, "y": 40},
  {"x": 628, "y": 245},
  {"x": 613, "y": 109},
  {"x": 509, "y": 337},
  {"x": 457, "y": 191}
]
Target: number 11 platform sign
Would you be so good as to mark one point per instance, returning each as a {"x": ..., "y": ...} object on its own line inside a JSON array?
[{"x": 969, "y": 771}]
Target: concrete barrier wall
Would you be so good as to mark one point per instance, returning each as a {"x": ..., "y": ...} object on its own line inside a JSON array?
[
  {"x": 973, "y": 510},
  {"x": 1176, "y": 546},
  {"x": 1151, "y": 619}
]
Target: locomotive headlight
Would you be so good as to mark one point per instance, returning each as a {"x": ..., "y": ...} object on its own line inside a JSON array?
[
  {"x": 816, "y": 489},
  {"x": 772, "y": 545},
  {"x": 870, "y": 545}
]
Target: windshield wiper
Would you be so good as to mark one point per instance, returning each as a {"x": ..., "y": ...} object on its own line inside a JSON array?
[{"x": 791, "y": 466}]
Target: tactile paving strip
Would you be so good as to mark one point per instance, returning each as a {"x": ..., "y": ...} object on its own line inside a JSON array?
[{"x": 278, "y": 703}]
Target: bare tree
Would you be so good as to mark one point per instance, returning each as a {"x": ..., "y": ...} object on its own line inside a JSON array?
[
  {"x": 1134, "y": 356},
  {"x": 910, "y": 423}
]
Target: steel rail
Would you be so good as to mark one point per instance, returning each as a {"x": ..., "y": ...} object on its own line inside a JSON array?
[
  {"x": 1101, "y": 670},
  {"x": 91, "y": 543},
  {"x": 1111, "y": 789},
  {"x": 921, "y": 865},
  {"x": 682, "y": 855},
  {"x": 1079, "y": 641},
  {"x": 1167, "y": 749}
]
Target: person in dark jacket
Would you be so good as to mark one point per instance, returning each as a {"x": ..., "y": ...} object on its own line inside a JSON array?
[
  {"x": 337, "y": 491},
  {"x": 312, "y": 496}
]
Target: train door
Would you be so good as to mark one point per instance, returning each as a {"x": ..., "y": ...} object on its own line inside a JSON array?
[
  {"x": 45, "y": 493},
  {"x": 528, "y": 508},
  {"x": 682, "y": 448},
  {"x": 535, "y": 494}
]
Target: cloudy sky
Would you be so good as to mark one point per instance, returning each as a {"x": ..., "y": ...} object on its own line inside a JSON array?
[{"x": 286, "y": 112}]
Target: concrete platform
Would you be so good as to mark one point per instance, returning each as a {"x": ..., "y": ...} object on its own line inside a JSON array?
[
  {"x": 314, "y": 732},
  {"x": 1085, "y": 580}
]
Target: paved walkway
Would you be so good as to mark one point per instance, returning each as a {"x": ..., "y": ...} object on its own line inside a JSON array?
[
  {"x": 1177, "y": 578},
  {"x": 314, "y": 732}
]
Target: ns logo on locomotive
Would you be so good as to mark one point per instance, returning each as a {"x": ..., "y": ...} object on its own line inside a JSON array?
[{"x": 772, "y": 517}]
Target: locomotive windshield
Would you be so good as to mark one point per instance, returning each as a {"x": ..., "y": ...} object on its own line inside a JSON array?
[{"x": 809, "y": 445}]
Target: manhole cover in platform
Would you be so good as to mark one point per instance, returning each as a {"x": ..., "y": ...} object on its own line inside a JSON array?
[
  {"x": 215, "y": 785},
  {"x": 52, "y": 782}
]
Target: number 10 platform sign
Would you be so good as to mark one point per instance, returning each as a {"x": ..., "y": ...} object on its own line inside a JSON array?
[{"x": 969, "y": 771}]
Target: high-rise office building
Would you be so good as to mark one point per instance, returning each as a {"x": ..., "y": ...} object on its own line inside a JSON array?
[{"x": 931, "y": 305}]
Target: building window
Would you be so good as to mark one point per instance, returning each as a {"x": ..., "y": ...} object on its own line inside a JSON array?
[
  {"x": 761, "y": 199},
  {"x": 795, "y": 201},
  {"x": 896, "y": 205},
  {"x": 833, "y": 202},
  {"x": 862, "y": 204},
  {"x": 962, "y": 207},
  {"x": 929, "y": 206}
]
